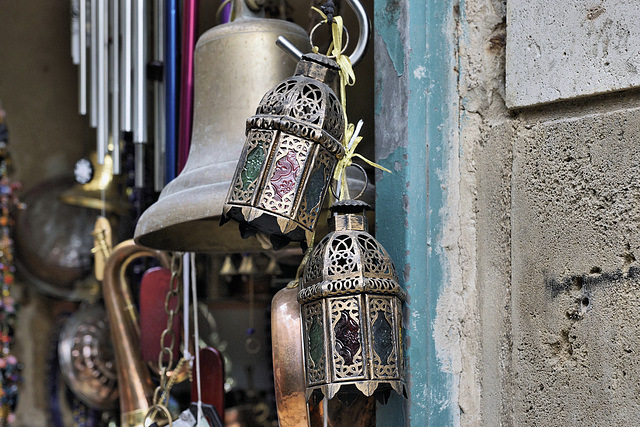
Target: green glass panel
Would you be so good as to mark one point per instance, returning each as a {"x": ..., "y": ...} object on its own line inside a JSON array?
[
  {"x": 252, "y": 166},
  {"x": 316, "y": 341}
]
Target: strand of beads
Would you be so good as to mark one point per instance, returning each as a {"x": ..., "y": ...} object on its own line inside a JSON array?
[{"x": 9, "y": 366}]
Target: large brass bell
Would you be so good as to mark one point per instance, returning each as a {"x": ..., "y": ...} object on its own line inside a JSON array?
[{"x": 235, "y": 64}]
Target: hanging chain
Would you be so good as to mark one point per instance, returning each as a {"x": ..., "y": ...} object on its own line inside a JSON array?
[{"x": 172, "y": 304}]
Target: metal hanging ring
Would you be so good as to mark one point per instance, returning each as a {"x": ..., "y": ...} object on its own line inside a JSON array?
[
  {"x": 364, "y": 187},
  {"x": 346, "y": 32},
  {"x": 363, "y": 37}
]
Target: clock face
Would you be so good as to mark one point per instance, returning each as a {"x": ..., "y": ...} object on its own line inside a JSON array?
[{"x": 83, "y": 171}]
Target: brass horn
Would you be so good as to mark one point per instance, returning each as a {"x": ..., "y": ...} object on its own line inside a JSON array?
[
  {"x": 234, "y": 65},
  {"x": 134, "y": 380}
]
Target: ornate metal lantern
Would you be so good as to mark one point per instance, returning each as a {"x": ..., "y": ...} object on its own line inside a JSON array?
[
  {"x": 351, "y": 305},
  {"x": 289, "y": 156}
]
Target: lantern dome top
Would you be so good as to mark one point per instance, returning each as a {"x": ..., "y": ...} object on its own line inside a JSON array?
[
  {"x": 305, "y": 104},
  {"x": 319, "y": 67},
  {"x": 349, "y": 260}
]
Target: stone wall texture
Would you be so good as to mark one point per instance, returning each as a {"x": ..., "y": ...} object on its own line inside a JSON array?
[{"x": 555, "y": 190}]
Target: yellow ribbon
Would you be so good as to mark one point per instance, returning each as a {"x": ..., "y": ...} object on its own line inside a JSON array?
[{"x": 347, "y": 78}]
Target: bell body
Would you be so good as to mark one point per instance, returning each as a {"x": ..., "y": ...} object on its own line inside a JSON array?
[
  {"x": 351, "y": 307},
  {"x": 235, "y": 64},
  {"x": 291, "y": 150}
]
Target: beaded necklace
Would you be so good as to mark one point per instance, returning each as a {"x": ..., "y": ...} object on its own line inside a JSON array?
[{"x": 9, "y": 366}]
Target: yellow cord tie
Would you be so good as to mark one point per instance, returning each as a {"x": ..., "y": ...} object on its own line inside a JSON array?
[{"x": 350, "y": 139}]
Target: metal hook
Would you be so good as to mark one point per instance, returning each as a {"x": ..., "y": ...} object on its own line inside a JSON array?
[{"x": 363, "y": 37}]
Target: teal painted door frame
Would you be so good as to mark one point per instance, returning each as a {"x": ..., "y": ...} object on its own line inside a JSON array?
[{"x": 416, "y": 123}]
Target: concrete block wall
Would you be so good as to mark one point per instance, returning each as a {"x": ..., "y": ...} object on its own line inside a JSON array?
[
  {"x": 575, "y": 286},
  {"x": 538, "y": 305},
  {"x": 554, "y": 188}
]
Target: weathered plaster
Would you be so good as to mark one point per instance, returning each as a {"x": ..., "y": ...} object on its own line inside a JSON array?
[
  {"x": 475, "y": 320},
  {"x": 530, "y": 271},
  {"x": 390, "y": 18}
]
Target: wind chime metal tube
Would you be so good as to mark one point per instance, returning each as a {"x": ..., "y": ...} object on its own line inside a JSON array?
[
  {"x": 170, "y": 86},
  {"x": 75, "y": 32},
  {"x": 102, "y": 132},
  {"x": 139, "y": 92},
  {"x": 126, "y": 66},
  {"x": 291, "y": 49},
  {"x": 93, "y": 112},
  {"x": 82, "y": 70},
  {"x": 115, "y": 85},
  {"x": 159, "y": 96},
  {"x": 186, "y": 89}
]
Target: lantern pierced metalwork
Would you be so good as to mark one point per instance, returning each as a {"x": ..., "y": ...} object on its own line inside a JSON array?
[
  {"x": 290, "y": 153},
  {"x": 351, "y": 305}
]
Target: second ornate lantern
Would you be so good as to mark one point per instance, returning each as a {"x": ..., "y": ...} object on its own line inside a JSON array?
[
  {"x": 290, "y": 153},
  {"x": 351, "y": 306}
]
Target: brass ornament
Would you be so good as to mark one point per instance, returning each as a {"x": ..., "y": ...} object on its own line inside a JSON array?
[
  {"x": 135, "y": 387},
  {"x": 98, "y": 188},
  {"x": 290, "y": 153},
  {"x": 86, "y": 358},
  {"x": 53, "y": 243},
  {"x": 288, "y": 371},
  {"x": 351, "y": 307}
]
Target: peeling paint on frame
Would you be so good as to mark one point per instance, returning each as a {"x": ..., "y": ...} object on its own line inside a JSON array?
[{"x": 411, "y": 202}]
